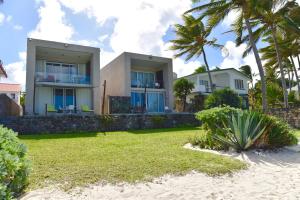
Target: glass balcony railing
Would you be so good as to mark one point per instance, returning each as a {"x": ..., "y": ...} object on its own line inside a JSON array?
[{"x": 62, "y": 78}]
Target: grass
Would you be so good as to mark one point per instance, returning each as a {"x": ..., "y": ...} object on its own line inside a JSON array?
[
  {"x": 83, "y": 158},
  {"x": 297, "y": 133}
]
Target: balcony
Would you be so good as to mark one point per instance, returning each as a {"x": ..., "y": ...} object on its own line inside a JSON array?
[{"x": 62, "y": 78}]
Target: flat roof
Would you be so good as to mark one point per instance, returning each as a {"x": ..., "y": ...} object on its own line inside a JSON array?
[
  {"x": 218, "y": 70},
  {"x": 10, "y": 87}
]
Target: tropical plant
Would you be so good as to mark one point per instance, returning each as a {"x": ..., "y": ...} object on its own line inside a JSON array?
[
  {"x": 216, "y": 123},
  {"x": 182, "y": 88},
  {"x": 217, "y": 10},
  {"x": 223, "y": 97},
  {"x": 191, "y": 39},
  {"x": 14, "y": 166},
  {"x": 242, "y": 130},
  {"x": 200, "y": 69}
]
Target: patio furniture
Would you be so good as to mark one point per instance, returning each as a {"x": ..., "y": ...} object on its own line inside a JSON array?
[
  {"x": 50, "y": 109},
  {"x": 86, "y": 109},
  {"x": 70, "y": 109}
]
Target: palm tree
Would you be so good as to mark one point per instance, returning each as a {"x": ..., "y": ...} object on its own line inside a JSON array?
[
  {"x": 191, "y": 38},
  {"x": 217, "y": 10},
  {"x": 276, "y": 24}
]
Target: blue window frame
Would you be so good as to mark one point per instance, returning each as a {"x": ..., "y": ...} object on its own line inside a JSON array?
[{"x": 155, "y": 101}]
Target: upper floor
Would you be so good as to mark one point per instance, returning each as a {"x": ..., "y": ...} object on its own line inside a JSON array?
[{"x": 224, "y": 78}]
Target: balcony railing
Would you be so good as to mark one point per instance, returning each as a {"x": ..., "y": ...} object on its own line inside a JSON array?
[
  {"x": 62, "y": 78},
  {"x": 140, "y": 84}
]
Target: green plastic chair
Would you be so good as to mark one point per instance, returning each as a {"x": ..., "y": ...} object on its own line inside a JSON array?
[
  {"x": 51, "y": 108},
  {"x": 85, "y": 108}
]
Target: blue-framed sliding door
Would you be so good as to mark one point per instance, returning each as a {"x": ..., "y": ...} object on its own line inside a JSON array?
[
  {"x": 155, "y": 101},
  {"x": 63, "y": 97}
]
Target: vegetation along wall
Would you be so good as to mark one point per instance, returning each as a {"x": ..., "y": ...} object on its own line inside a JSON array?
[{"x": 75, "y": 123}]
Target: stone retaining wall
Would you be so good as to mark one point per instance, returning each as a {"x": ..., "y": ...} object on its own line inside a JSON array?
[
  {"x": 291, "y": 116},
  {"x": 75, "y": 123}
]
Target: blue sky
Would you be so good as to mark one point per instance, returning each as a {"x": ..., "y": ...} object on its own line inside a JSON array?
[{"x": 141, "y": 26}]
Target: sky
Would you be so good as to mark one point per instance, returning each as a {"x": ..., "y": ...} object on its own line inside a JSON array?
[{"x": 140, "y": 26}]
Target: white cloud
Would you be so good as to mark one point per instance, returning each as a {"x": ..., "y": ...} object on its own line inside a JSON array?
[
  {"x": 2, "y": 18},
  {"x": 140, "y": 25},
  {"x": 230, "y": 18},
  {"x": 16, "y": 71},
  {"x": 9, "y": 18},
  {"x": 18, "y": 27},
  {"x": 52, "y": 24}
]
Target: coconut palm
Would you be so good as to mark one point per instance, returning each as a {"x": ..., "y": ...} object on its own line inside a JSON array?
[
  {"x": 191, "y": 40},
  {"x": 217, "y": 10},
  {"x": 273, "y": 15}
]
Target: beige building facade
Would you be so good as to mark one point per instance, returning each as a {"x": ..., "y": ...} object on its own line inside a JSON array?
[
  {"x": 63, "y": 76},
  {"x": 145, "y": 79}
]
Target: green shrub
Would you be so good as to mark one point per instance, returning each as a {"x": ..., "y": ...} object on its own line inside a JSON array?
[
  {"x": 277, "y": 133},
  {"x": 223, "y": 97},
  {"x": 205, "y": 141},
  {"x": 213, "y": 118},
  {"x": 241, "y": 130},
  {"x": 14, "y": 167}
]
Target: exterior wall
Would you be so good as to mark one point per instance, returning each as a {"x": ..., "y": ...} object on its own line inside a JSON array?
[
  {"x": 235, "y": 75},
  {"x": 84, "y": 97},
  {"x": 43, "y": 96},
  {"x": 8, "y": 107},
  {"x": 118, "y": 76},
  {"x": 9, "y": 94},
  {"x": 115, "y": 74},
  {"x": 32, "y": 62},
  {"x": 291, "y": 116},
  {"x": 69, "y": 123},
  {"x": 221, "y": 79}
]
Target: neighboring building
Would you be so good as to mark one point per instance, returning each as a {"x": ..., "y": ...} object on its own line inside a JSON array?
[
  {"x": 61, "y": 76},
  {"x": 222, "y": 78},
  {"x": 11, "y": 90},
  {"x": 143, "y": 83}
]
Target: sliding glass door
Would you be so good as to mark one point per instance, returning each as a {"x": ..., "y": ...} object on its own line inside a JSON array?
[
  {"x": 64, "y": 97},
  {"x": 154, "y": 101}
]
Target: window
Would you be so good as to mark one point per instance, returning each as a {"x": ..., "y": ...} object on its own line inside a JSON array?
[
  {"x": 142, "y": 79},
  {"x": 203, "y": 82},
  {"x": 13, "y": 96},
  {"x": 239, "y": 84}
]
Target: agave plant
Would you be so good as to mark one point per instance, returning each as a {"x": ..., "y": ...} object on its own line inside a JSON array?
[{"x": 241, "y": 130}]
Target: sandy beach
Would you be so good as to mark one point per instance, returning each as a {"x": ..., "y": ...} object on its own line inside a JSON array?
[{"x": 271, "y": 175}]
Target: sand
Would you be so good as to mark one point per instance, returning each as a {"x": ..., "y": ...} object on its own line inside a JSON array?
[{"x": 271, "y": 175}]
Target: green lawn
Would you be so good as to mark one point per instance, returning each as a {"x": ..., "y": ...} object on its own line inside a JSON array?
[
  {"x": 78, "y": 159},
  {"x": 297, "y": 133}
]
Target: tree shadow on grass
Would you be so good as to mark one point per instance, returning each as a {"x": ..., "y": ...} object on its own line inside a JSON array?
[
  {"x": 58, "y": 135},
  {"x": 163, "y": 130}
]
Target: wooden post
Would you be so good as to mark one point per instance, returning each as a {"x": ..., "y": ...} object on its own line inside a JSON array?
[{"x": 103, "y": 98}]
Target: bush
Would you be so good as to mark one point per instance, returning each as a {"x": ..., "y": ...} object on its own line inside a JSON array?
[
  {"x": 14, "y": 167},
  {"x": 223, "y": 97},
  {"x": 241, "y": 130},
  {"x": 205, "y": 141},
  {"x": 277, "y": 133}
]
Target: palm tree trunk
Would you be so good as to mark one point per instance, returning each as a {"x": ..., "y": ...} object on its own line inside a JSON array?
[
  {"x": 208, "y": 71},
  {"x": 283, "y": 82},
  {"x": 259, "y": 65},
  {"x": 298, "y": 61},
  {"x": 296, "y": 74}
]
